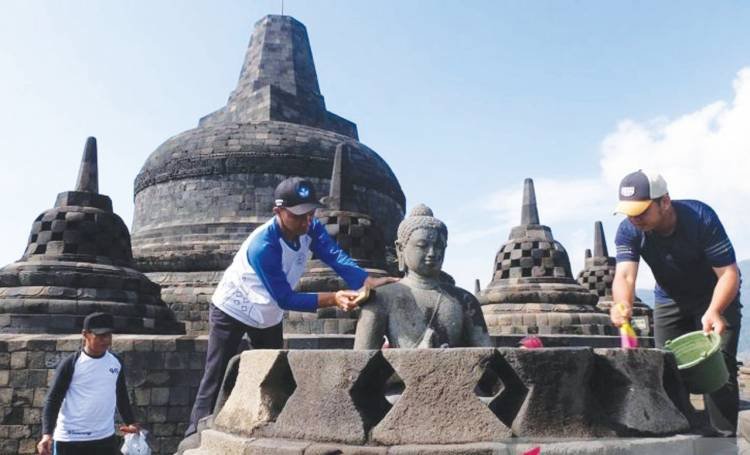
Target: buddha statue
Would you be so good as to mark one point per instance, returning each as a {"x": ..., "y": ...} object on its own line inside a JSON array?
[{"x": 422, "y": 310}]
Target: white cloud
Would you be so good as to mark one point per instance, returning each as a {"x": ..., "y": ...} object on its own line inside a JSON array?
[{"x": 703, "y": 155}]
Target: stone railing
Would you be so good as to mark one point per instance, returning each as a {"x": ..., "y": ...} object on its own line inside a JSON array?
[{"x": 449, "y": 396}]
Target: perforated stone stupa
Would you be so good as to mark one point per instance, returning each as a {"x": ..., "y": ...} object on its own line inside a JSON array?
[
  {"x": 532, "y": 288},
  {"x": 598, "y": 275},
  {"x": 357, "y": 234},
  {"x": 203, "y": 191},
  {"x": 78, "y": 260}
]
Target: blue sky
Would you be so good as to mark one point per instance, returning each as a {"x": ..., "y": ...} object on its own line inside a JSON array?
[{"x": 463, "y": 100}]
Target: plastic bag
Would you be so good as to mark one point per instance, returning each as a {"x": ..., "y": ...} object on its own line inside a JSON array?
[{"x": 135, "y": 444}]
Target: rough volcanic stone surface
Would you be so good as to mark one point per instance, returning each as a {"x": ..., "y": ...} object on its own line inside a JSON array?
[
  {"x": 339, "y": 396},
  {"x": 202, "y": 192},
  {"x": 743, "y": 425},
  {"x": 559, "y": 401},
  {"x": 532, "y": 277},
  {"x": 629, "y": 385},
  {"x": 78, "y": 260},
  {"x": 264, "y": 384},
  {"x": 439, "y": 403}
]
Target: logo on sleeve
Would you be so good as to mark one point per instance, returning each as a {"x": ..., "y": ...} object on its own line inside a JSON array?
[{"x": 114, "y": 370}]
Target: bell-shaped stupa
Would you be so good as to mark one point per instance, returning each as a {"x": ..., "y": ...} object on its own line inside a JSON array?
[
  {"x": 357, "y": 234},
  {"x": 203, "y": 191},
  {"x": 532, "y": 289},
  {"x": 598, "y": 275},
  {"x": 78, "y": 260}
]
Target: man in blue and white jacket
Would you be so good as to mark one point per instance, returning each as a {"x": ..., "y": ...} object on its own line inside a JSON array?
[{"x": 257, "y": 287}]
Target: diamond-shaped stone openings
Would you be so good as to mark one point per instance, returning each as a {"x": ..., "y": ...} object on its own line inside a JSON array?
[
  {"x": 531, "y": 251},
  {"x": 82, "y": 226},
  {"x": 549, "y": 392},
  {"x": 439, "y": 404},
  {"x": 263, "y": 386},
  {"x": 629, "y": 385},
  {"x": 501, "y": 389},
  {"x": 338, "y": 398}
]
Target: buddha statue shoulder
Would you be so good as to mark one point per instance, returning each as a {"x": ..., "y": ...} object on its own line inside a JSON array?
[{"x": 424, "y": 309}]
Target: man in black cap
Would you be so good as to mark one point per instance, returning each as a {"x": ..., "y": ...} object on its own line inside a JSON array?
[
  {"x": 257, "y": 287},
  {"x": 79, "y": 410},
  {"x": 697, "y": 279}
]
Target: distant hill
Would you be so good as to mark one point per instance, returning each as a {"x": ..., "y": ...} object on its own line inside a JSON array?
[{"x": 743, "y": 351}]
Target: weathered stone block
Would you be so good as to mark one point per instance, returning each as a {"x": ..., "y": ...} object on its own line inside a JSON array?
[
  {"x": 328, "y": 449},
  {"x": 439, "y": 403},
  {"x": 743, "y": 425},
  {"x": 263, "y": 385},
  {"x": 159, "y": 396},
  {"x": 628, "y": 383},
  {"x": 18, "y": 360},
  {"x": 558, "y": 401},
  {"x": 482, "y": 448},
  {"x": 339, "y": 396}
]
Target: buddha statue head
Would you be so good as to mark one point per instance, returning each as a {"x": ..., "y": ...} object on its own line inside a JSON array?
[{"x": 421, "y": 243}]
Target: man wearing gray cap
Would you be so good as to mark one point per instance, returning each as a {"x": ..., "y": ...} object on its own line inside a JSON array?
[
  {"x": 257, "y": 287},
  {"x": 697, "y": 279}
]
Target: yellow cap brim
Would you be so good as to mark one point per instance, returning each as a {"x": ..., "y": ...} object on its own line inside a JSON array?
[{"x": 632, "y": 208}]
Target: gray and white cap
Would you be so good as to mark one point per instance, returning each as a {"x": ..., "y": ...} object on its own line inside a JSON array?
[{"x": 638, "y": 190}]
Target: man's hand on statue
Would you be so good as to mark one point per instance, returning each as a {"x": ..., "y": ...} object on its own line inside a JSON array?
[
  {"x": 620, "y": 313},
  {"x": 345, "y": 300},
  {"x": 713, "y": 321},
  {"x": 45, "y": 445},
  {"x": 372, "y": 282}
]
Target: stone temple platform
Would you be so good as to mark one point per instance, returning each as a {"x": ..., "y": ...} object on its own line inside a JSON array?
[{"x": 454, "y": 401}]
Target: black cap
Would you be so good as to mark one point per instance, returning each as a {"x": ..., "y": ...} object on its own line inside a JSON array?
[
  {"x": 296, "y": 195},
  {"x": 99, "y": 323}
]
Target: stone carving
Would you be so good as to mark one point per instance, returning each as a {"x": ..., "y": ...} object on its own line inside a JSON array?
[
  {"x": 259, "y": 397},
  {"x": 451, "y": 397},
  {"x": 202, "y": 191},
  {"x": 341, "y": 399},
  {"x": 532, "y": 289},
  {"x": 598, "y": 275},
  {"x": 423, "y": 309},
  {"x": 447, "y": 379},
  {"x": 630, "y": 385},
  {"x": 78, "y": 260}
]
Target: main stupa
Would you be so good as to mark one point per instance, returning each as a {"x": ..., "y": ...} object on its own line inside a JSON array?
[{"x": 203, "y": 191}]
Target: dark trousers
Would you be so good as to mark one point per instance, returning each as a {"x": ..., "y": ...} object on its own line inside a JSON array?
[
  {"x": 672, "y": 319},
  {"x": 224, "y": 336},
  {"x": 106, "y": 446}
]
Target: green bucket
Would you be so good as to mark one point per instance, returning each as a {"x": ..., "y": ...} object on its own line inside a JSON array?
[{"x": 700, "y": 361}]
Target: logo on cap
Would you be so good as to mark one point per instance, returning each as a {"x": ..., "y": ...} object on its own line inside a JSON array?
[
  {"x": 627, "y": 191},
  {"x": 303, "y": 191}
]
